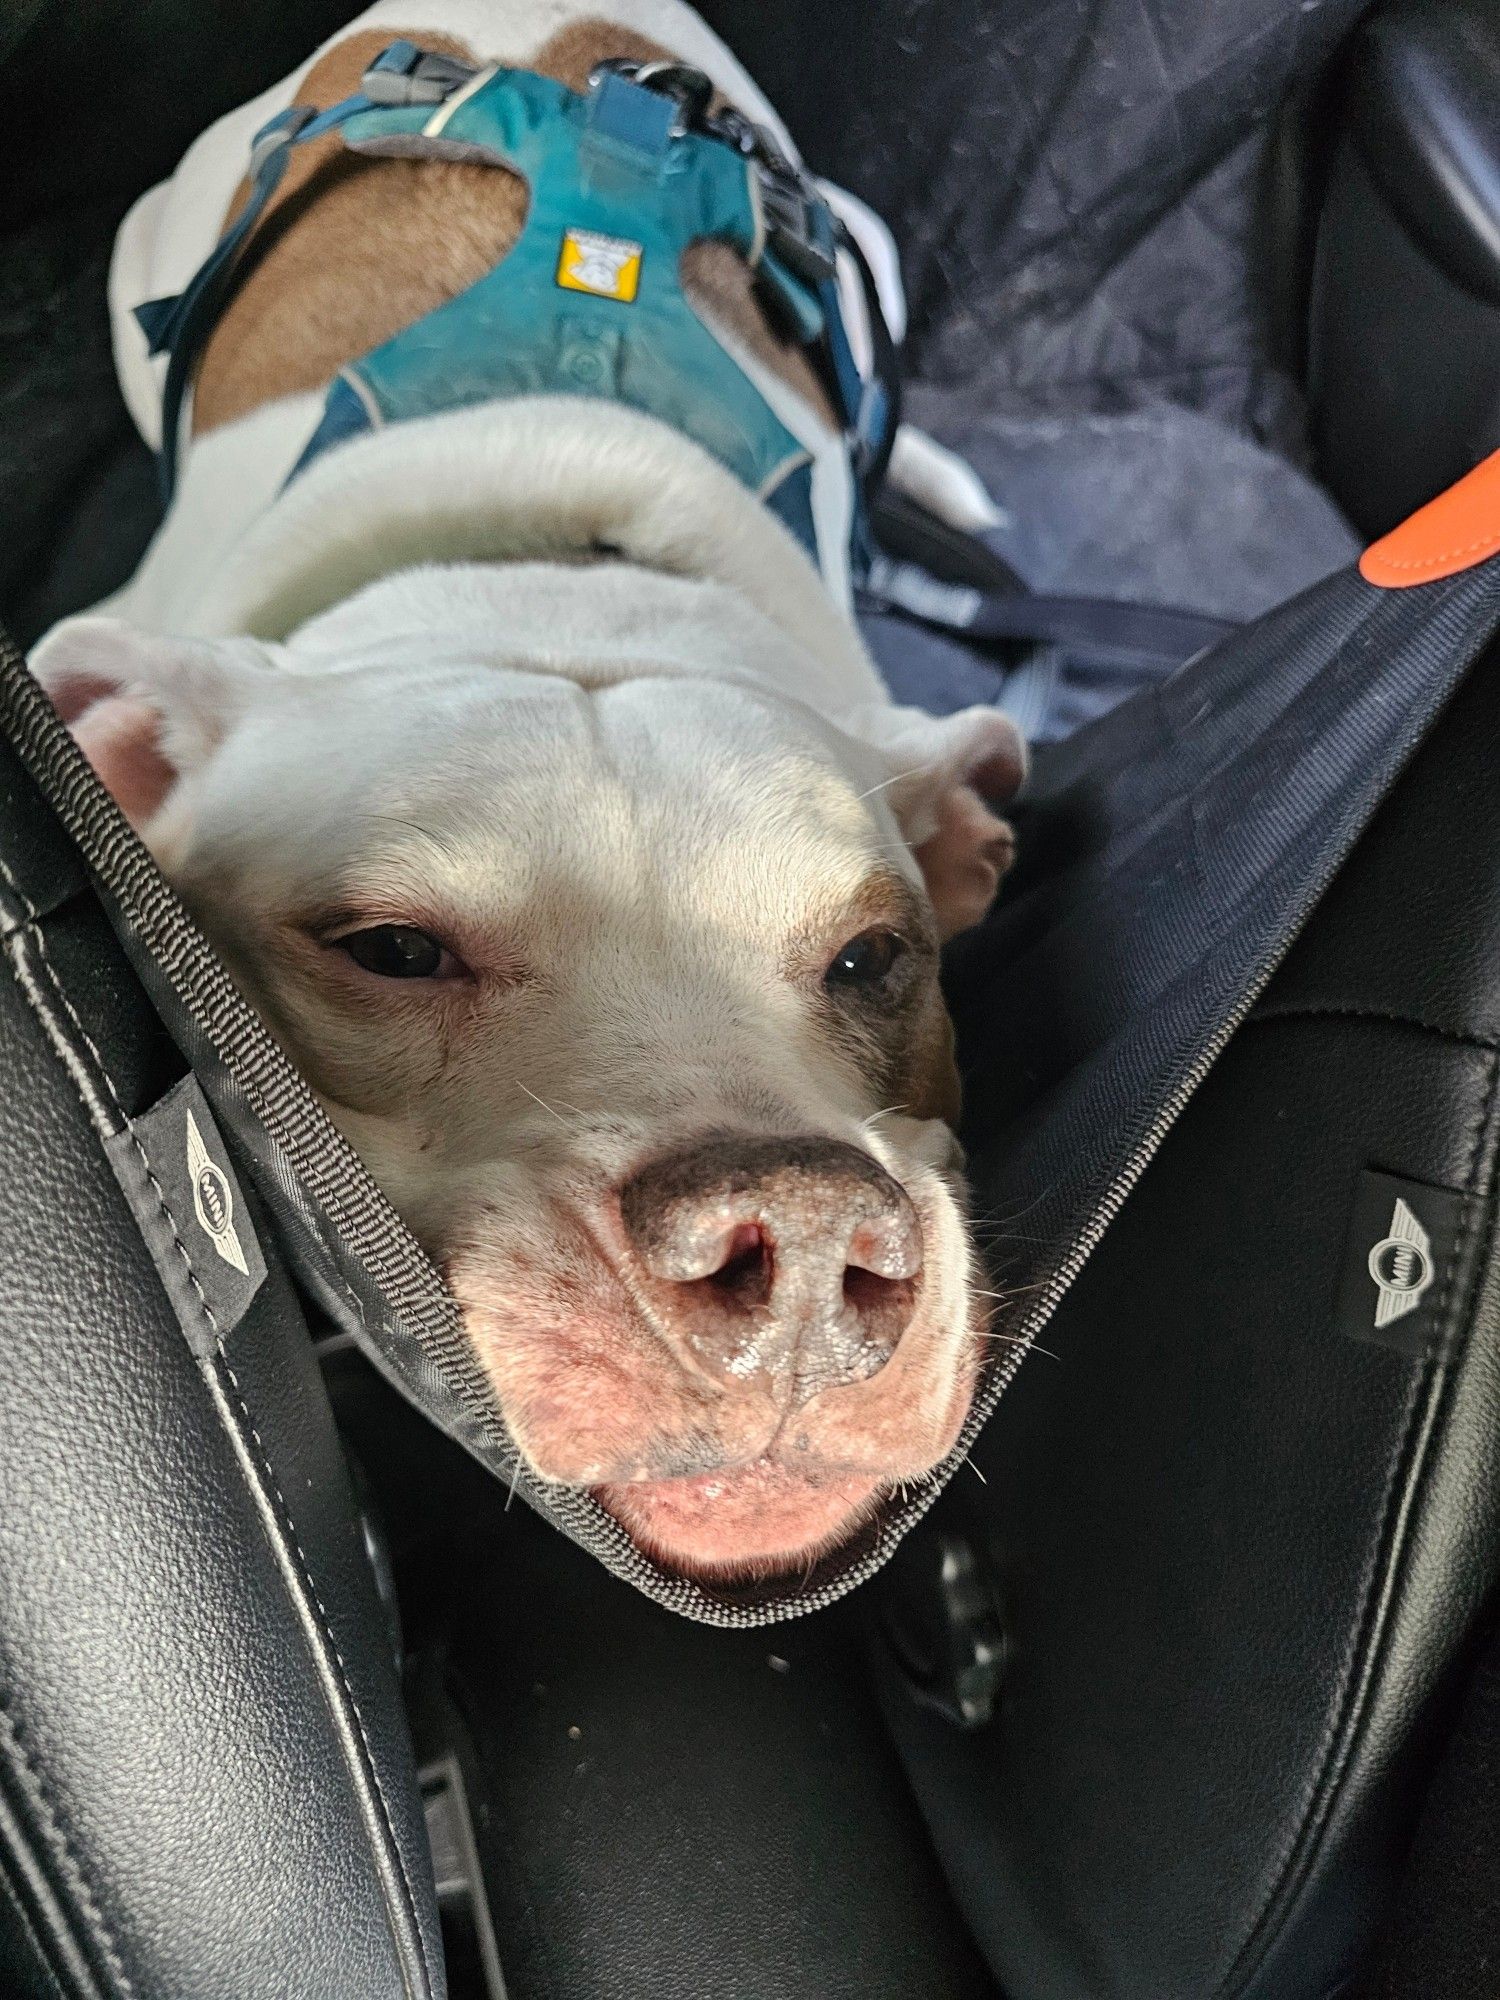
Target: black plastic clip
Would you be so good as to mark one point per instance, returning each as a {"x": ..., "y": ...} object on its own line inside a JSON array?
[
  {"x": 945, "y": 1620},
  {"x": 798, "y": 228}
]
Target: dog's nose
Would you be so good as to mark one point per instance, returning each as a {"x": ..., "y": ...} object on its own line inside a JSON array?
[{"x": 797, "y": 1257}]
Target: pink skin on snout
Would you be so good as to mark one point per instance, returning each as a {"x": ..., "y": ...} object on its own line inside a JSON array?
[
  {"x": 663, "y": 908},
  {"x": 719, "y": 1364}
]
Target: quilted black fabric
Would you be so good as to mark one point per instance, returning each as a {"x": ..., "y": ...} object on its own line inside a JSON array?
[
  {"x": 1079, "y": 189},
  {"x": 1078, "y": 186}
]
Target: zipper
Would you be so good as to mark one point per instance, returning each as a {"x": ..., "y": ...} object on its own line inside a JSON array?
[
  {"x": 81, "y": 803},
  {"x": 405, "y": 1288}
]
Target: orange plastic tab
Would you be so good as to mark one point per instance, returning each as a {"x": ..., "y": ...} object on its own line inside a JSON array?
[{"x": 1457, "y": 530}]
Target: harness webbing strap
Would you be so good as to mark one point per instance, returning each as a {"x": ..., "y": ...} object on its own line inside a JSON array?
[
  {"x": 180, "y": 325},
  {"x": 589, "y": 299}
]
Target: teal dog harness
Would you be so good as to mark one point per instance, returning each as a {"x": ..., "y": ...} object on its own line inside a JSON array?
[{"x": 589, "y": 300}]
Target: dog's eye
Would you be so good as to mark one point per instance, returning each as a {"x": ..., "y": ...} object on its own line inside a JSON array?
[
  {"x": 865, "y": 961},
  {"x": 398, "y": 951}
]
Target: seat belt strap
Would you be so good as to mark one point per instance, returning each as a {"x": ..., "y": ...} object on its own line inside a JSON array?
[{"x": 952, "y": 579}]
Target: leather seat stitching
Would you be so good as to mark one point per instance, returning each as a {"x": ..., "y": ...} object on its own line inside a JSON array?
[
  {"x": 27, "y": 1770},
  {"x": 34, "y": 1936},
  {"x": 1314, "y": 1011},
  {"x": 285, "y": 1513},
  {"x": 1319, "y": 1794},
  {"x": 1384, "y": 1559},
  {"x": 305, "y": 1574}
]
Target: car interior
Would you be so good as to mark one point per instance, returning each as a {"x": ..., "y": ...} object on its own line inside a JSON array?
[{"x": 1187, "y": 1685}]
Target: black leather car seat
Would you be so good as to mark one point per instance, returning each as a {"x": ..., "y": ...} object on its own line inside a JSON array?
[
  {"x": 1241, "y": 1539},
  {"x": 206, "y": 1783}
]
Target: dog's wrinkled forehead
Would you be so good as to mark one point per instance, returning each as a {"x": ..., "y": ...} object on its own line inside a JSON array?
[
  {"x": 507, "y": 784},
  {"x": 458, "y": 727}
]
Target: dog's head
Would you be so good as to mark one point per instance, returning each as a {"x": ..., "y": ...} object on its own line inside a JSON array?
[{"x": 627, "y": 991}]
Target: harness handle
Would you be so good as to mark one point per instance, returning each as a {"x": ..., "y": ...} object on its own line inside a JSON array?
[{"x": 797, "y": 268}]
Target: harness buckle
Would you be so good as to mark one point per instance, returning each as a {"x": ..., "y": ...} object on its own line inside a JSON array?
[
  {"x": 404, "y": 74},
  {"x": 798, "y": 228},
  {"x": 279, "y": 132},
  {"x": 688, "y": 88}
]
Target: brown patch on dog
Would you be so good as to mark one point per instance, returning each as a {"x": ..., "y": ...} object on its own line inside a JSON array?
[
  {"x": 899, "y": 1040},
  {"x": 930, "y": 1087},
  {"x": 721, "y": 289},
  {"x": 353, "y": 248},
  {"x": 348, "y": 252}
]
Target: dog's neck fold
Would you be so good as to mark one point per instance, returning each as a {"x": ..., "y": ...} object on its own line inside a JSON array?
[{"x": 545, "y": 480}]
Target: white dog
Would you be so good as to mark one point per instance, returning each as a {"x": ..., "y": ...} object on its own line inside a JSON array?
[{"x": 529, "y": 773}]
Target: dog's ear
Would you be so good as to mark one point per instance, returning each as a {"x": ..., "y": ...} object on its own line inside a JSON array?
[
  {"x": 146, "y": 711},
  {"x": 949, "y": 772}
]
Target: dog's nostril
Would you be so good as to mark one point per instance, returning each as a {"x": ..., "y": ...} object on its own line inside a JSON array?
[
  {"x": 797, "y": 1259},
  {"x": 871, "y": 1295},
  {"x": 878, "y": 1313},
  {"x": 744, "y": 1277}
]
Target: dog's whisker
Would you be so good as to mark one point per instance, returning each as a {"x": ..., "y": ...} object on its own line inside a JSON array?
[
  {"x": 887, "y": 1111},
  {"x": 1000, "y": 1220},
  {"x": 550, "y": 1109},
  {"x": 1019, "y": 1340},
  {"x": 884, "y": 786},
  {"x": 912, "y": 772}
]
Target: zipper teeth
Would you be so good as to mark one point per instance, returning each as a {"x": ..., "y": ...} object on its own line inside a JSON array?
[
  {"x": 37, "y": 729},
  {"x": 1005, "y": 1371},
  {"x": 79, "y": 800},
  {"x": 578, "y": 1512},
  {"x": 1115, "y": 1196},
  {"x": 680, "y": 1597},
  {"x": 1058, "y": 1285}
]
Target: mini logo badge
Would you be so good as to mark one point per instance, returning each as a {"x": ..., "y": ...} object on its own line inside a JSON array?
[
  {"x": 213, "y": 1199},
  {"x": 1401, "y": 1264},
  {"x": 607, "y": 266}
]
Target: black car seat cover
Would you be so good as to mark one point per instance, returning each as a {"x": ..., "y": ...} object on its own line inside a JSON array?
[{"x": 1221, "y": 805}]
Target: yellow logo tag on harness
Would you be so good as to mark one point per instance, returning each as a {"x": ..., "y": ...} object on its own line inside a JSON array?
[{"x": 607, "y": 266}]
